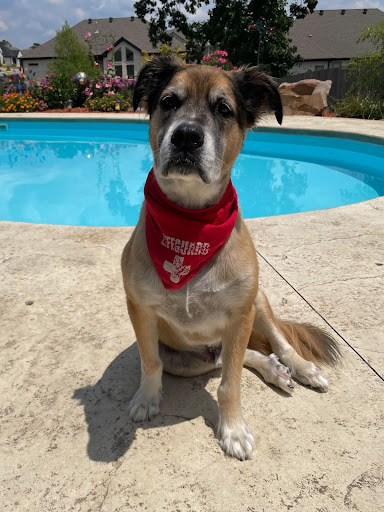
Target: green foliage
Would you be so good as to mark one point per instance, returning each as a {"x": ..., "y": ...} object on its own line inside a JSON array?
[
  {"x": 54, "y": 91},
  {"x": 360, "y": 106},
  {"x": 71, "y": 55},
  {"x": 227, "y": 27},
  {"x": 35, "y": 45},
  {"x": 108, "y": 103},
  {"x": 4, "y": 42},
  {"x": 165, "y": 51},
  {"x": 365, "y": 97}
]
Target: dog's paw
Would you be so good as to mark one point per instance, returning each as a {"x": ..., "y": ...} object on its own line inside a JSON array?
[
  {"x": 237, "y": 440},
  {"x": 278, "y": 374},
  {"x": 309, "y": 375},
  {"x": 143, "y": 407}
]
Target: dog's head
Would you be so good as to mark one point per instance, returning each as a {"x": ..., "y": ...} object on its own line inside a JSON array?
[{"x": 200, "y": 114}]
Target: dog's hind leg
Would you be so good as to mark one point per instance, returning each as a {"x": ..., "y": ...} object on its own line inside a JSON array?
[{"x": 298, "y": 346}]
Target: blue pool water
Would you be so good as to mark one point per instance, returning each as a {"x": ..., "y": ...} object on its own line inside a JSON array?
[{"x": 93, "y": 173}]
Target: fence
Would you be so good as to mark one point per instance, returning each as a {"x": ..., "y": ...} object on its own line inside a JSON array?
[{"x": 340, "y": 83}]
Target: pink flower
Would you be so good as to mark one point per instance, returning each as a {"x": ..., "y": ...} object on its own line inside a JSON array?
[
  {"x": 234, "y": 68},
  {"x": 88, "y": 36},
  {"x": 110, "y": 93},
  {"x": 109, "y": 64},
  {"x": 98, "y": 86},
  {"x": 96, "y": 63},
  {"x": 220, "y": 67}
]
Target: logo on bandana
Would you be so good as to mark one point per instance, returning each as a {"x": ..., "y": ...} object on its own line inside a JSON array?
[{"x": 176, "y": 269}]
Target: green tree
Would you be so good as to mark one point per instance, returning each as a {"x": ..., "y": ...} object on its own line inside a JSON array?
[
  {"x": 4, "y": 42},
  {"x": 71, "y": 55},
  {"x": 365, "y": 96},
  {"x": 227, "y": 28},
  {"x": 35, "y": 45}
]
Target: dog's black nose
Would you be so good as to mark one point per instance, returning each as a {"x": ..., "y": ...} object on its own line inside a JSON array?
[{"x": 188, "y": 137}]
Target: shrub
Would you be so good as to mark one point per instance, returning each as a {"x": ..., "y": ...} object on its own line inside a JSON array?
[
  {"x": 54, "y": 91},
  {"x": 165, "y": 51},
  {"x": 365, "y": 97},
  {"x": 14, "y": 102},
  {"x": 107, "y": 103},
  {"x": 219, "y": 59},
  {"x": 363, "y": 107},
  {"x": 105, "y": 85}
]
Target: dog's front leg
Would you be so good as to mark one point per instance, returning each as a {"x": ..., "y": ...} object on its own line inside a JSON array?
[
  {"x": 145, "y": 403},
  {"x": 234, "y": 435}
]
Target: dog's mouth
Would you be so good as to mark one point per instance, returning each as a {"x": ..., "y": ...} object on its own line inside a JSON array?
[{"x": 183, "y": 166}]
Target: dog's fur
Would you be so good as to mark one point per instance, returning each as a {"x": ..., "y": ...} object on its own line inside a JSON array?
[{"x": 219, "y": 318}]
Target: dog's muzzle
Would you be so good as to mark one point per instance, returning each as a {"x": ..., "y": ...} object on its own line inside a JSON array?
[{"x": 185, "y": 150}]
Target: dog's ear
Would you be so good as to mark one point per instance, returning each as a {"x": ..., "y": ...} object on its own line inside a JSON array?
[
  {"x": 258, "y": 92},
  {"x": 153, "y": 78}
]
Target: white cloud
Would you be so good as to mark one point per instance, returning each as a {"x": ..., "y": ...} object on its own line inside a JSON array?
[
  {"x": 79, "y": 13},
  {"x": 3, "y": 25}
]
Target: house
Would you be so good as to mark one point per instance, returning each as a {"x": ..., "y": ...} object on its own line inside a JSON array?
[
  {"x": 9, "y": 56},
  {"x": 129, "y": 36},
  {"x": 328, "y": 38}
]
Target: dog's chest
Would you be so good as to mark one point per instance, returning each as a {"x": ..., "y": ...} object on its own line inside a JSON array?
[{"x": 202, "y": 305}]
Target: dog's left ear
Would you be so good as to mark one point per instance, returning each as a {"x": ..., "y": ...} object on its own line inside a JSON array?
[
  {"x": 259, "y": 94},
  {"x": 152, "y": 79}
]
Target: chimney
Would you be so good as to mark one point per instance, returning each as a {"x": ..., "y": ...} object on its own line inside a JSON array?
[
  {"x": 89, "y": 21},
  {"x": 343, "y": 11},
  {"x": 132, "y": 18},
  {"x": 365, "y": 11},
  {"x": 110, "y": 20},
  {"x": 321, "y": 12}
]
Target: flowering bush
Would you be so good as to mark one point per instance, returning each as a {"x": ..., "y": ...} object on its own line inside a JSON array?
[
  {"x": 107, "y": 103},
  {"x": 14, "y": 102},
  {"x": 53, "y": 92},
  {"x": 219, "y": 59},
  {"x": 108, "y": 86}
]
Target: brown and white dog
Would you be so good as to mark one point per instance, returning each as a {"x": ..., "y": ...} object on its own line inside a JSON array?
[{"x": 199, "y": 116}]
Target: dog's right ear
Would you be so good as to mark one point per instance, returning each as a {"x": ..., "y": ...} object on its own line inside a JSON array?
[{"x": 152, "y": 79}]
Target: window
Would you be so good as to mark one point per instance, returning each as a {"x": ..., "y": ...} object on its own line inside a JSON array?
[
  {"x": 33, "y": 64},
  {"x": 128, "y": 55},
  {"x": 335, "y": 65},
  {"x": 124, "y": 62}
]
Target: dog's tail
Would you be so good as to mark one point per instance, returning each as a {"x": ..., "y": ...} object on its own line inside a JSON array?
[{"x": 309, "y": 341}]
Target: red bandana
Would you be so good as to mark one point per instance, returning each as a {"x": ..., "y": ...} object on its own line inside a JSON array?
[{"x": 181, "y": 241}]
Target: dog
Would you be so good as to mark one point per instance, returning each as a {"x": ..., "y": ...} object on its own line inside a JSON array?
[{"x": 210, "y": 313}]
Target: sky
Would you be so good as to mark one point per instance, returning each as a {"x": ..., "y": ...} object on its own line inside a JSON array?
[{"x": 24, "y": 22}]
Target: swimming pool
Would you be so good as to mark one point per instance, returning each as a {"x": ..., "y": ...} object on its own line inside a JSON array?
[{"x": 92, "y": 173}]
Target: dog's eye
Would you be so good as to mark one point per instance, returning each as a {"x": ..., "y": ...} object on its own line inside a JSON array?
[
  {"x": 170, "y": 102},
  {"x": 224, "y": 110}
]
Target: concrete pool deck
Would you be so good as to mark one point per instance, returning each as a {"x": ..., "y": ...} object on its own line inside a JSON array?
[{"x": 69, "y": 366}]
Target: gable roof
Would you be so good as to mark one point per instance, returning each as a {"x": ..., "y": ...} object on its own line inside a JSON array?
[
  {"x": 333, "y": 35},
  {"x": 9, "y": 51},
  {"x": 131, "y": 29}
]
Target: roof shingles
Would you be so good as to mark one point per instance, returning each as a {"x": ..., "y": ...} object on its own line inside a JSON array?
[
  {"x": 333, "y": 35},
  {"x": 131, "y": 29}
]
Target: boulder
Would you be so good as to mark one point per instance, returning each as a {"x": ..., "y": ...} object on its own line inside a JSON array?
[{"x": 307, "y": 97}]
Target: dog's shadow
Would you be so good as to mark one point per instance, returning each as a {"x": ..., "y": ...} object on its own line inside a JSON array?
[{"x": 111, "y": 432}]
